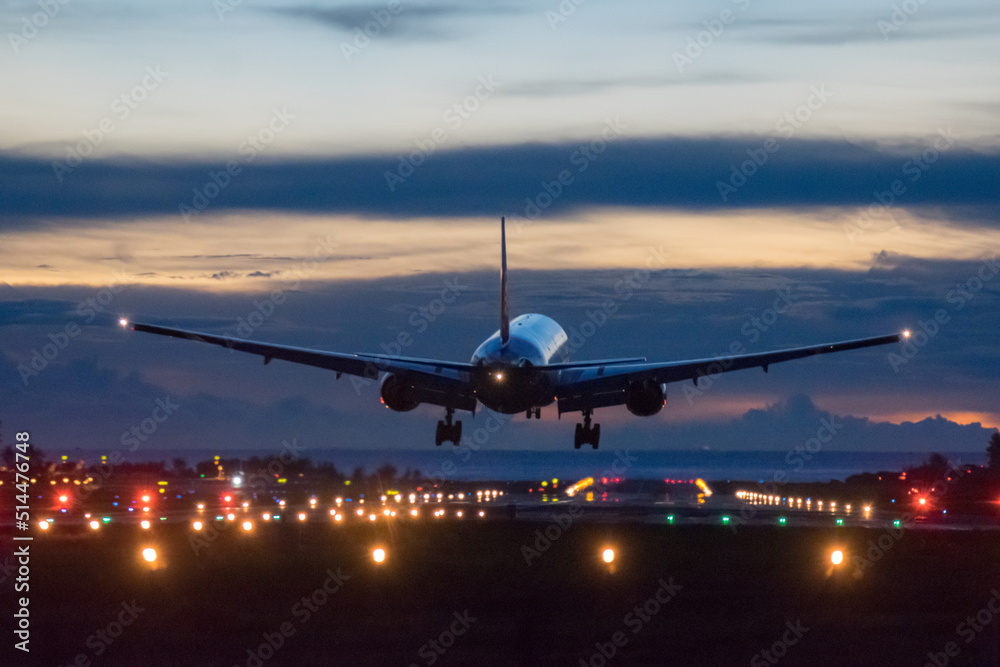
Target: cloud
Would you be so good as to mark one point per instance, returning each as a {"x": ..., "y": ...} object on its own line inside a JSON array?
[
  {"x": 234, "y": 400},
  {"x": 877, "y": 24},
  {"x": 669, "y": 172},
  {"x": 402, "y": 20}
]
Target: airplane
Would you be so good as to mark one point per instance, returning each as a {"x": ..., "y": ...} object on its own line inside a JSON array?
[{"x": 514, "y": 371}]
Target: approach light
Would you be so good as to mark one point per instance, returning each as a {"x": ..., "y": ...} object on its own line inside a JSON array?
[
  {"x": 837, "y": 557},
  {"x": 378, "y": 555},
  {"x": 149, "y": 554},
  {"x": 608, "y": 555}
]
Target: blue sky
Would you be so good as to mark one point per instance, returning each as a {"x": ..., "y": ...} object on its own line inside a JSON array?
[{"x": 181, "y": 163}]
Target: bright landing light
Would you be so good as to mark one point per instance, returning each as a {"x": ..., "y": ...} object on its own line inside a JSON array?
[{"x": 608, "y": 555}]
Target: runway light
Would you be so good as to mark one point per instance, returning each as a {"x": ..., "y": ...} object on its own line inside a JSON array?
[
  {"x": 266, "y": 516},
  {"x": 837, "y": 557},
  {"x": 302, "y": 516},
  {"x": 201, "y": 506},
  {"x": 145, "y": 524},
  {"x": 248, "y": 526},
  {"x": 63, "y": 499},
  {"x": 499, "y": 376},
  {"x": 43, "y": 524},
  {"x": 230, "y": 517},
  {"x": 197, "y": 525},
  {"x": 371, "y": 517},
  {"x": 608, "y": 555},
  {"x": 414, "y": 512},
  {"x": 149, "y": 554},
  {"x": 94, "y": 525},
  {"x": 482, "y": 513},
  {"x": 145, "y": 498},
  {"x": 338, "y": 517},
  {"x": 378, "y": 555}
]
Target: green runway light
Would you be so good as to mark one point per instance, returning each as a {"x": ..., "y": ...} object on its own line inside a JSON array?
[
  {"x": 782, "y": 520},
  {"x": 670, "y": 518},
  {"x": 840, "y": 522},
  {"x": 106, "y": 519},
  {"x": 896, "y": 523},
  {"x": 725, "y": 519}
]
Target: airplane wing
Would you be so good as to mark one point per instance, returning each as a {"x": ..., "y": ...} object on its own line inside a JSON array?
[
  {"x": 445, "y": 383},
  {"x": 601, "y": 385}
]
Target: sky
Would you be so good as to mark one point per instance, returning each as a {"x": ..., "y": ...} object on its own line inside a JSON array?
[{"x": 771, "y": 174}]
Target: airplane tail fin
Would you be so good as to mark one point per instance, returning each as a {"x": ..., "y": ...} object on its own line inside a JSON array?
[{"x": 504, "y": 315}]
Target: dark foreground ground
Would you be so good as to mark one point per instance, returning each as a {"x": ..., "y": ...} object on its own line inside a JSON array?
[{"x": 462, "y": 593}]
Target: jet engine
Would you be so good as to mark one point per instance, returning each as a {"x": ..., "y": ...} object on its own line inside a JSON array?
[
  {"x": 397, "y": 394},
  {"x": 645, "y": 398}
]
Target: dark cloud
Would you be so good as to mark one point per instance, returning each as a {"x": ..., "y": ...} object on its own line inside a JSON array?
[
  {"x": 678, "y": 173},
  {"x": 405, "y": 21},
  {"x": 104, "y": 379}
]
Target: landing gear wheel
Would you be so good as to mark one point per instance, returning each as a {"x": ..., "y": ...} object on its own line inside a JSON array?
[
  {"x": 448, "y": 431},
  {"x": 587, "y": 434}
]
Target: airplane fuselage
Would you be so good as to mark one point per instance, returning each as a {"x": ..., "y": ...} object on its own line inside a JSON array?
[{"x": 504, "y": 383}]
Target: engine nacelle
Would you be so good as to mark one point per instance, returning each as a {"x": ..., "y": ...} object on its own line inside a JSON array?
[
  {"x": 646, "y": 398},
  {"x": 397, "y": 394}
]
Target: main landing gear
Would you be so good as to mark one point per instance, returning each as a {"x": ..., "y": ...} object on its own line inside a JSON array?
[
  {"x": 587, "y": 434},
  {"x": 448, "y": 431},
  {"x": 535, "y": 412}
]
